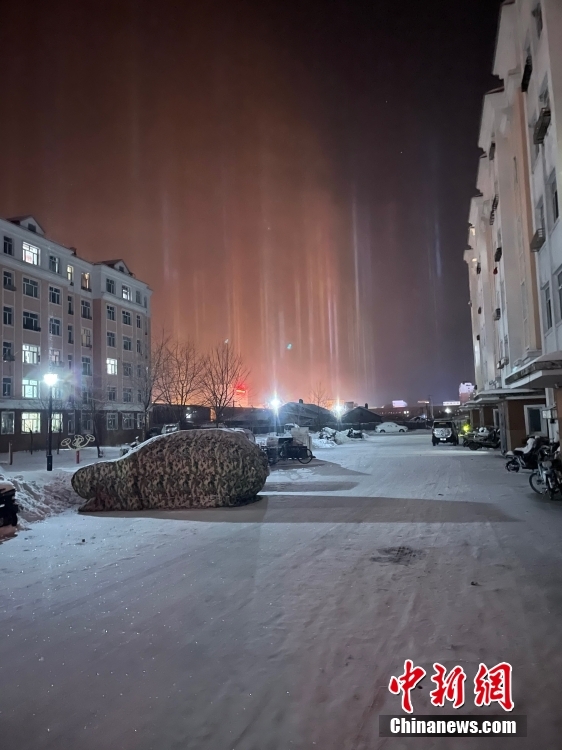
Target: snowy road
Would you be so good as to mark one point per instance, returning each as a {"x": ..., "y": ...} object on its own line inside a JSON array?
[{"x": 278, "y": 625}]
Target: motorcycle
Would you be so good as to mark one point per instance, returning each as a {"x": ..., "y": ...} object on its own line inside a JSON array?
[
  {"x": 526, "y": 457},
  {"x": 8, "y": 507},
  {"x": 482, "y": 439},
  {"x": 355, "y": 434},
  {"x": 548, "y": 475}
]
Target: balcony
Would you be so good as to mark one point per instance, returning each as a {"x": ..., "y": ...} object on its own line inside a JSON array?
[
  {"x": 29, "y": 327},
  {"x": 495, "y": 202},
  {"x": 10, "y": 288},
  {"x": 498, "y": 255},
  {"x": 87, "y": 345},
  {"x": 542, "y": 126},
  {"x": 497, "y": 313},
  {"x": 538, "y": 240},
  {"x": 9, "y": 358},
  {"x": 527, "y": 71}
]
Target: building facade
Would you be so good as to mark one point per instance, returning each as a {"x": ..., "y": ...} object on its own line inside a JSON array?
[
  {"x": 87, "y": 322},
  {"x": 514, "y": 252}
]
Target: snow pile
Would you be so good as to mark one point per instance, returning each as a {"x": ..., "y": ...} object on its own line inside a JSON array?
[
  {"x": 40, "y": 494},
  {"x": 328, "y": 438}
]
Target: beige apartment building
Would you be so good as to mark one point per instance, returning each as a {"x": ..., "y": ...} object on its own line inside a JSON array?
[
  {"x": 514, "y": 252},
  {"x": 87, "y": 322}
]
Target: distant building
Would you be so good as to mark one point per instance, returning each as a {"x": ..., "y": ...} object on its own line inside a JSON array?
[
  {"x": 87, "y": 322},
  {"x": 361, "y": 416}
]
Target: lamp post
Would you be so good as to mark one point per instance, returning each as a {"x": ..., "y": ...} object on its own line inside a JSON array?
[
  {"x": 50, "y": 379},
  {"x": 275, "y": 403},
  {"x": 338, "y": 411}
]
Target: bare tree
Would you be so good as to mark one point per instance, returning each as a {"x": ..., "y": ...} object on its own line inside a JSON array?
[
  {"x": 319, "y": 397},
  {"x": 176, "y": 373},
  {"x": 149, "y": 378},
  {"x": 223, "y": 371}
]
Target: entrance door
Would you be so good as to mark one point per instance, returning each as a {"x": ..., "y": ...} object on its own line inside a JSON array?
[{"x": 535, "y": 423}]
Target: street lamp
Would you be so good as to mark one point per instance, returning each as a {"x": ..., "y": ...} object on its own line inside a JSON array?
[
  {"x": 338, "y": 411},
  {"x": 50, "y": 379},
  {"x": 275, "y": 403}
]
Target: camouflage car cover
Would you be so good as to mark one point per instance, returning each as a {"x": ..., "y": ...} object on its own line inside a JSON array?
[{"x": 187, "y": 469}]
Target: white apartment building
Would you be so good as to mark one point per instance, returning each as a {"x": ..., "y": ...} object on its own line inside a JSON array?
[{"x": 87, "y": 322}]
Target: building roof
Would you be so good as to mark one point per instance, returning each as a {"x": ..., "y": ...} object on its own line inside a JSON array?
[{"x": 118, "y": 264}]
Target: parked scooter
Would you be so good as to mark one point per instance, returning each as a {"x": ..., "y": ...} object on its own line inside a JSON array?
[
  {"x": 548, "y": 475},
  {"x": 8, "y": 506},
  {"x": 526, "y": 457},
  {"x": 482, "y": 439},
  {"x": 358, "y": 434}
]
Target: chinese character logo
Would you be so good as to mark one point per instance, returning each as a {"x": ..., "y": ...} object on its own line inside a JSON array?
[
  {"x": 406, "y": 683},
  {"x": 494, "y": 685}
]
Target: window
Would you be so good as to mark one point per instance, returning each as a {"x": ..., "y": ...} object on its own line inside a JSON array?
[
  {"x": 547, "y": 302},
  {"x": 86, "y": 366},
  {"x": 7, "y": 387},
  {"x": 111, "y": 365},
  {"x": 126, "y": 317},
  {"x": 31, "y": 321},
  {"x": 139, "y": 371},
  {"x": 128, "y": 395},
  {"x": 29, "y": 389},
  {"x": 86, "y": 397},
  {"x": 70, "y": 361},
  {"x": 127, "y": 369},
  {"x": 139, "y": 347},
  {"x": 54, "y": 264},
  {"x": 70, "y": 274},
  {"x": 112, "y": 393},
  {"x": 559, "y": 282},
  {"x": 110, "y": 312},
  {"x": 539, "y": 215},
  {"x": 54, "y": 326},
  {"x": 54, "y": 295},
  {"x": 86, "y": 423},
  {"x": 31, "y": 421},
  {"x": 56, "y": 421},
  {"x": 7, "y": 354},
  {"x": 8, "y": 316},
  {"x": 31, "y": 354},
  {"x": 111, "y": 421},
  {"x": 128, "y": 421},
  {"x": 553, "y": 195},
  {"x": 30, "y": 254},
  {"x": 30, "y": 288},
  {"x": 139, "y": 397},
  {"x": 86, "y": 309},
  {"x": 140, "y": 420},
  {"x": 110, "y": 286},
  {"x": 127, "y": 344},
  {"x": 70, "y": 304},
  {"x": 8, "y": 422},
  {"x": 54, "y": 356},
  {"x": 110, "y": 338},
  {"x": 145, "y": 301},
  {"x": 86, "y": 337},
  {"x": 138, "y": 297},
  {"x": 139, "y": 321},
  {"x": 126, "y": 292},
  {"x": 8, "y": 246},
  {"x": 70, "y": 425},
  {"x": 85, "y": 281},
  {"x": 537, "y": 15},
  {"x": 9, "y": 280}
]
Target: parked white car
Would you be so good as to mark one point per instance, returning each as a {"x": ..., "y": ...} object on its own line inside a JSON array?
[{"x": 390, "y": 427}]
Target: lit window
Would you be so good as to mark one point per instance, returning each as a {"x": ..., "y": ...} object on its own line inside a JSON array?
[
  {"x": 54, "y": 326},
  {"x": 8, "y": 422},
  {"x": 54, "y": 356},
  {"x": 9, "y": 281},
  {"x": 54, "y": 295},
  {"x": 70, "y": 274},
  {"x": 128, "y": 395},
  {"x": 31, "y": 354},
  {"x": 128, "y": 421},
  {"x": 127, "y": 344},
  {"x": 111, "y": 365},
  {"x": 30, "y": 287},
  {"x": 110, "y": 338},
  {"x": 8, "y": 316},
  {"x": 110, "y": 286},
  {"x": 126, "y": 292},
  {"x": 54, "y": 264},
  {"x": 110, "y": 312},
  {"x": 112, "y": 393},
  {"x": 56, "y": 422},
  {"x": 126, "y": 315},
  {"x": 85, "y": 281},
  {"x": 112, "y": 421},
  {"x": 86, "y": 337},
  {"x": 86, "y": 366},
  {"x": 7, "y": 387},
  {"x": 127, "y": 369},
  {"x": 8, "y": 246},
  {"x": 30, "y": 389},
  {"x": 30, "y": 421},
  {"x": 30, "y": 254}
]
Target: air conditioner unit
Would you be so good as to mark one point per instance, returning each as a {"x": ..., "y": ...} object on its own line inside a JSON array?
[
  {"x": 498, "y": 255},
  {"x": 497, "y": 313},
  {"x": 538, "y": 240}
]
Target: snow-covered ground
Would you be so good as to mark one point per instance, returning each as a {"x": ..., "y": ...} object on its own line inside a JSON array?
[{"x": 278, "y": 625}]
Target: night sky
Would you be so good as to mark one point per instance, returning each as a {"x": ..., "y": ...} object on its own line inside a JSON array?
[{"x": 294, "y": 177}]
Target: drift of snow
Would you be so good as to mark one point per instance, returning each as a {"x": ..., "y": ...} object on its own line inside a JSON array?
[{"x": 40, "y": 493}]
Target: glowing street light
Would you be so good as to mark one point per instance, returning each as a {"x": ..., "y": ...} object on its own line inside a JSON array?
[
  {"x": 50, "y": 379},
  {"x": 275, "y": 403}
]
